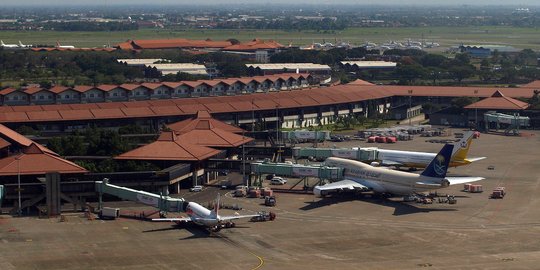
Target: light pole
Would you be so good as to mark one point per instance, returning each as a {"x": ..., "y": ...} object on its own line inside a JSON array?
[
  {"x": 409, "y": 114},
  {"x": 18, "y": 158}
]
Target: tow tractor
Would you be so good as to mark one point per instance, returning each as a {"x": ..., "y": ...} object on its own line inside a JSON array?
[{"x": 263, "y": 216}]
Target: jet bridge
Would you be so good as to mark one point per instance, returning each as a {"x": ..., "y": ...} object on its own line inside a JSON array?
[
  {"x": 360, "y": 154},
  {"x": 297, "y": 170},
  {"x": 163, "y": 203}
]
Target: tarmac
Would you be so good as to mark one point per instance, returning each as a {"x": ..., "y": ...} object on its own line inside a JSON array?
[{"x": 346, "y": 232}]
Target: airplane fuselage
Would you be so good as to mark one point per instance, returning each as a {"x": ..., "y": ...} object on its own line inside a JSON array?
[
  {"x": 383, "y": 180},
  {"x": 200, "y": 215}
]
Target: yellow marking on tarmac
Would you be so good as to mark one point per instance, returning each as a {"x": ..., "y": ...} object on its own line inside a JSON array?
[
  {"x": 28, "y": 240},
  {"x": 125, "y": 228},
  {"x": 261, "y": 260}
]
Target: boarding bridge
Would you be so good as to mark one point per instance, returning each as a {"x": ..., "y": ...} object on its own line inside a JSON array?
[
  {"x": 360, "y": 154},
  {"x": 163, "y": 203},
  {"x": 305, "y": 135},
  {"x": 512, "y": 122},
  {"x": 297, "y": 170}
]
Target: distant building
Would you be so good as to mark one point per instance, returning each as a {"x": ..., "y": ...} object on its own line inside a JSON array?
[
  {"x": 363, "y": 65},
  {"x": 268, "y": 69},
  {"x": 483, "y": 51}
]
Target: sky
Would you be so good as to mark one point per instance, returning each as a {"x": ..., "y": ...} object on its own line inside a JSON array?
[{"x": 275, "y": 2}]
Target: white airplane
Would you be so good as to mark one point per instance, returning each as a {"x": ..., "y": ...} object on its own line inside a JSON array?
[
  {"x": 202, "y": 216},
  {"x": 24, "y": 46},
  {"x": 413, "y": 159},
  {"x": 8, "y": 46},
  {"x": 64, "y": 46},
  {"x": 363, "y": 177}
]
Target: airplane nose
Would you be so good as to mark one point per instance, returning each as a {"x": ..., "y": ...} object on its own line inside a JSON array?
[{"x": 317, "y": 191}]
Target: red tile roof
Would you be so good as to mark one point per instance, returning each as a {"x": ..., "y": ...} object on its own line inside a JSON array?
[
  {"x": 33, "y": 90},
  {"x": 58, "y": 89},
  {"x": 205, "y": 134},
  {"x": 6, "y": 91},
  {"x": 4, "y": 143},
  {"x": 191, "y": 124},
  {"x": 107, "y": 87},
  {"x": 171, "y": 43},
  {"x": 533, "y": 84},
  {"x": 83, "y": 88},
  {"x": 11, "y": 135},
  {"x": 262, "y": 101},
  {"x": 169, "y": 147},
  {"x": 35, "y": 161},
  {"x": 254, "y": 45},
  {"x": 360, "y": 82},
  {"x": 498, "y": 101}
]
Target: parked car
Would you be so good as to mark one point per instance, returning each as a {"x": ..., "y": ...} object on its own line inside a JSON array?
[
  {"x": 196, "y": 189},
  {"x": 278, "y": 181}
]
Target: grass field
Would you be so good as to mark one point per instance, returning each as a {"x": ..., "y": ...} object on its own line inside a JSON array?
[{"x": 446, "y": 36}]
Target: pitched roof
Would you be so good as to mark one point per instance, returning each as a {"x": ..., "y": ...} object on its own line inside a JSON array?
[
  {"x": 33, "y": 90},
  {"x": 192, "y": 123},
  {"x": 4, "y": 143},
  {"x": 253, "y": 45},
  {"x": 533, "y": 84},
  {"x": 204, "y": 133},
  {"x": 360, "y": 82},
  {"x": 499, "y": 101},
  {"x": 34, "y": 161},
  {"x": 58, "y": 89},
  {"x": 11, "y": 135},
  {"x": 169, "y": 147},
  {"x": 171, "y": 43},
  {"x": 6, "y": 91}
]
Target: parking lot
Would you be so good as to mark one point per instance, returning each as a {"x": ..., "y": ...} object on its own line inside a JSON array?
[{"x": 313, "y": 233}]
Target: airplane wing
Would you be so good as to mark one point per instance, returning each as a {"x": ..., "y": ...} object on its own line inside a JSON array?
[
  {"x": 391, "y": 163},
  {"x": 463, "y": 179},
  {"x": 337, "y": 186},
  {"x": 183, "y": 219},
  {"x": 226, "y": 218},
  {"x": 452, "y": 180},
  {"x": 474, "y": 159}
]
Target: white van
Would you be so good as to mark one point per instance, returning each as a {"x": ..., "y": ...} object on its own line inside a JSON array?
[{"x": 278, "y": 181}]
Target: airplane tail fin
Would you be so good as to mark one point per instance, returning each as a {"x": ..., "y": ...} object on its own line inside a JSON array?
[
  {"x": 461, "y": 148},
  {"x": 57, "y": 43},
  {"x": 438, "y": 167},
  {"x": 2, "y": 43},
  {"x": 20, "y": 44}
]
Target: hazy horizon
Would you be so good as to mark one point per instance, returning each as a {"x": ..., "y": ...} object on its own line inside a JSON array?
[{"x": 27, "y": 3}]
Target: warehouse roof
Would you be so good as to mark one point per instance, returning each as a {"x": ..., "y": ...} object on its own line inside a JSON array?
[
  {"x": 498, "y": 101},
  {"x": 290, "y": 66},
  {"x": 370, "y": 64},
  {"x": 169, "y": 147}
]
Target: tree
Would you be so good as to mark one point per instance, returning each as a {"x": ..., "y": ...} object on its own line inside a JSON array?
[
  {"x": 410, "y": 73},
  {"x": 462, "y": 72}
]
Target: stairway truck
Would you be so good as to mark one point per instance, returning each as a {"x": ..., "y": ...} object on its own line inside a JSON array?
[{"x": 109, "y": 213}]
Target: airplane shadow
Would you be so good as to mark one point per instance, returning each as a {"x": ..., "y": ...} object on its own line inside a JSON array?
[
  {"x": 195, "y": 230},
  {"x": 400, "y": 207}
]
